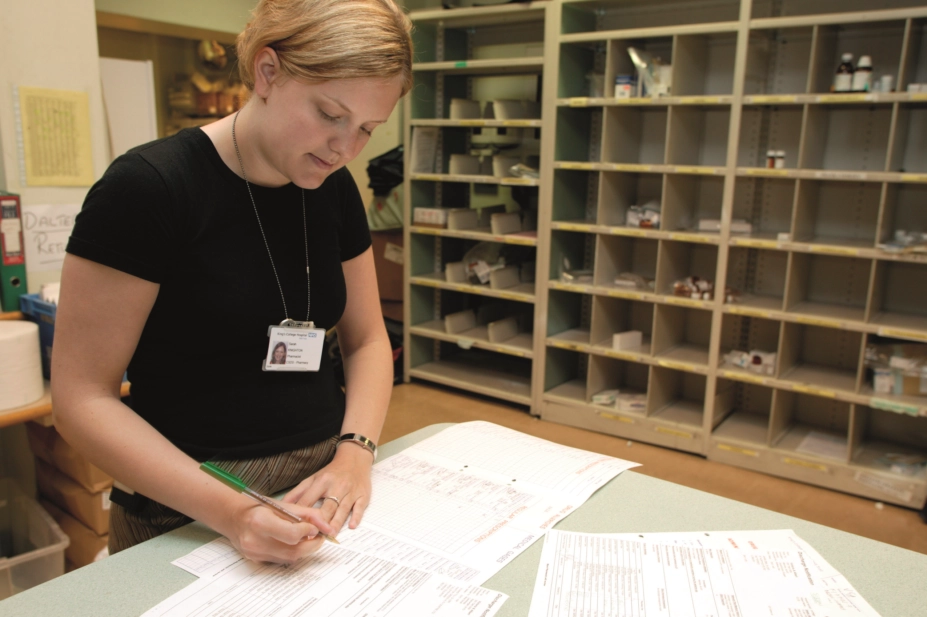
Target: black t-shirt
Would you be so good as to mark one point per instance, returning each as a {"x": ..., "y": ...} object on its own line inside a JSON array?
[{"x": 173, "y": 213}]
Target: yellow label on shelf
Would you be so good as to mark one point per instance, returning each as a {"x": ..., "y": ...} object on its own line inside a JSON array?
[
  {"x": 471, "y": 122},
  {"x": 611, "y": 416},
  {"x": 620, "y": 293},
  {"x": 516, "y": 123},
  {"x": 736, "y": 450},
  {"x": 506, "y": 350},
  {"x": 914, "y": 177},
  {"x": 431, "y": 177},
  {"x": 519, "y": 240},
  {"x": 814, "y": 321},
  {"x": 571, "y": 226},
  {"x": 579, "y": 101},
  {"x": 673, "y": 432},
  {"x": 912, "y": 334},
  {"x": 809, "y": 465},
  {"x": 428, "y": 231},
  {"x": 629, "y": 231},
  {"x": 565, "y": 345},
  {"x": 507, "y": 295},
  {"x": 762, "y": 171},
  {"x": 571, "y": 165},
  {"x": 834, "y": 250},
  {"x": 519, "y": 181},
  {"x": 757, "y": 244},
  {"x": 678, "y": 366},
  {"x": 618, "y": 355},
  {"x": 685, "y": 237},
  {"x": 814, "y": 390},
  {"x": 699, "y": 100},
  {"x": 737, "y": 376},
  {"x": 749, "y": 312},
  {"x": 919, "y": 97},
  {"x": 689, "y": 169},
  {"x": 635, "y": 100},
  {"x": 631, "y": 167},
  {"x": 426, "y": 282},
  {"x": 843, "y": 98},
  {"x": 773, "y": 98},
  {"x": 683, "y": 301}
]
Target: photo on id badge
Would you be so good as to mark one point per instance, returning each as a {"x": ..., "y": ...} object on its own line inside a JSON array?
[{"x": 294, "y": 349}]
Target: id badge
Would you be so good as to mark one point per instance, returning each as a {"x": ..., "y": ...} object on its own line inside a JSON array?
[{"x": 294, "y": 346}]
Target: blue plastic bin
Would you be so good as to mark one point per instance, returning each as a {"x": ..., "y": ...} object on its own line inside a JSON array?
[{"x": 42, "y": 313}]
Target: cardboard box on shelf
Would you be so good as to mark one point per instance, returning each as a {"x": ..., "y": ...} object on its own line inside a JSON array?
[
  {"x": 48, "y": 445},
  {"x": 387, "y": 260},
  {"x": 91, "y": 509},
  {"x": 86, "y": 546}
]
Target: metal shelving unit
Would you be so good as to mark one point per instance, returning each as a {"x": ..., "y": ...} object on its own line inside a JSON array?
[{"x": 812, "y": 284}]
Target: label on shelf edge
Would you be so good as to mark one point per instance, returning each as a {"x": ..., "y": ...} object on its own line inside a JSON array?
[
  {"x": 841, "y": 175},
  {"x": 758, "y": 244},
  {"x": 508, "y": 295},
  {"x": 843, "y": 98},
  {"x": 517, "y": 240},
  {"x": 516, "y": 122},
  {"x": 678, "y": 366},
  {"x": 834, "y": 250},
  {"x": 762, "y": 171},
  {"x": 755, "y": 379},
  {"x": 683, "y": 301},
  {"x": 699, "y": 100},
  {"x": 572, "y": 165},
  {"x": 628, "y": 231},
  {"x": 520, "y": 181},
  {"x": 688, "y": 237},
  {"x": 579, "y": 101},
  {"x": 619, "y": 293},
  {"x": 673, "y": 432},
  {"x": 918, "y": 96},
  {"x": 611, "y": 416},
  {"x": 635, "y": 100},
  {"x": 630, "y": 167},
  {"x": 773, "y": 98},
  {"x": 461, "y": 64},
  {"x": 823, "y": 392},
  {"x": 815, "y": 321},
  {"x": 888, "y": 405},
  {"x": 426, "y": 282},
  {"x": 895, "y": 332},
  {"x": 691, "y": 169},
  {"x": 884, "y": 485},
  {"x": 572, "y": 227},
  {"x": 749, "y": 312},
  {"x": 807, "y": 464},
  {"x": 914, "y": 177},
  {"x": 737, "y": 450},
  {"x": 566, "y": 345}
]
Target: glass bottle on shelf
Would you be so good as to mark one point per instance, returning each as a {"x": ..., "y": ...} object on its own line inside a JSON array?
[{"x": 843, "y": 80}]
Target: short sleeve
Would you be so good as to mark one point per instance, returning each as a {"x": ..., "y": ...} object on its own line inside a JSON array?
[
  {"x": 355, "y": 234},
  {"x": 129, "y": 221}
]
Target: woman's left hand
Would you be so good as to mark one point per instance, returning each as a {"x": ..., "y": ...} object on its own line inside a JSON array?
[{"x": 346, "y": 479}]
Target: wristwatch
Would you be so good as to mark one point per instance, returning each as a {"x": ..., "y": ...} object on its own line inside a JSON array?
[{"x": 361, "y": 441}]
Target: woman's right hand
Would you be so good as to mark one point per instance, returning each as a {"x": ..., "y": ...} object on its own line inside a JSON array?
[{"x": 260, "y": 534}]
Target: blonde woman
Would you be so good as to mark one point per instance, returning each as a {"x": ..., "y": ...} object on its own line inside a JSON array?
[{"x": 220, "y": 234}]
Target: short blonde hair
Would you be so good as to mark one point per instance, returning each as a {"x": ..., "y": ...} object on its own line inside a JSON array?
[{"x": 322, "y": 40}]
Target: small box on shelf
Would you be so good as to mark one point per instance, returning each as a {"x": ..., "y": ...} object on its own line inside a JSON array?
[
  {"x": 90, "y": 508},
  {"x": 632, "y": 339}
]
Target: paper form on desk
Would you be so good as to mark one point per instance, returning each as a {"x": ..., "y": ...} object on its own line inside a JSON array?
[
  {"x": 466, "y": 501},
  {"x": 334, "y": 581},
  {"x": 690, "y": 574}
]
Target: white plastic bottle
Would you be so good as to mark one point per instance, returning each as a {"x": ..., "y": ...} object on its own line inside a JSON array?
[
  {"x": 843, "y": 80},
  {"x": 862, "y": 76}
]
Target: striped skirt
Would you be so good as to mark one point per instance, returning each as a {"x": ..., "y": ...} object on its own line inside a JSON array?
[{"x": 267, "y": 475}]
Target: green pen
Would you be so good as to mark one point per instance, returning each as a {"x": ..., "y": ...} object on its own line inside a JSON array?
[{"x": 236, "y": 483}]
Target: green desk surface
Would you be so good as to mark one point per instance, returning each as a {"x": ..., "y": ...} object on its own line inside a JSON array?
[{"x": 893, "y": 580}]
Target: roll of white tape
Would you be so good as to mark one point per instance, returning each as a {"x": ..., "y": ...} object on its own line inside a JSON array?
[{"x": 20, "y": 364}]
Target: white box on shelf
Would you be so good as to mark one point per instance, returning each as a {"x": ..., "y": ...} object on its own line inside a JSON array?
[
  {"x": 430, "y": 217},
  {"x": 501, "y": 164},
  {"x": 463, "y": 218},
  {"x": 456, "y": 323},
  {"x": 505, "y": 223},
  {"x": 464, "y": 164},
  {"x": 465, "y": 109},
  {"x": 504, "y": 278},
  {"x": 455, "y": 272},
  {"x": 632, "y": 339},
  {"x": 502, "y": 330},
  {"x": 605, "y": 397}
]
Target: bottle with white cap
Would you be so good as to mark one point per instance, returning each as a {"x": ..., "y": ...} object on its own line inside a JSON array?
[
  {"x": 843, "y": 80},
  {"x": 862, "y": 76}
]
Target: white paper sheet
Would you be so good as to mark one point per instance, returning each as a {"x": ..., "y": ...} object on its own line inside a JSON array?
[
  {"x": 335, "y": 582},
  {"x": 690, "y": 574},
  {"x": 826, "y": 445},
  {"x": 46, "y": 229}
]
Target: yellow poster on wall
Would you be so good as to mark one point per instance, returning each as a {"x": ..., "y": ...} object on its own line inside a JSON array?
[{"x": 56, "y": 137}]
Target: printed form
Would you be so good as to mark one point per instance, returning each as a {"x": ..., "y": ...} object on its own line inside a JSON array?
[
  {"x": 453, "y": 509},
  {"x": 723, "y": 574}
]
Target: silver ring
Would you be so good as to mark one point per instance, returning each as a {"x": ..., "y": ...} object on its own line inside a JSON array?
[{"x": 335, "y": 499}]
